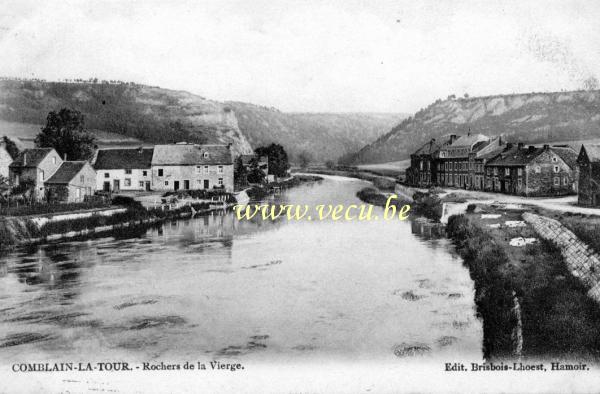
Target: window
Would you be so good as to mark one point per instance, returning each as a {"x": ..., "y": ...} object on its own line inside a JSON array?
[
  {"x": 141, "y": 184},
  {"x": 495, "y": 170},
  {"x": 206, "y": 155},
  {"x": 537, "y": 169},
  {"x": 565, "y": 181},
  {"x": 554, "y": 159},
  {"x": 160, "y": 173},
  {"x": 220, "y": 181},
  {"x": 520, "y": 183},
  {"x": 81, "y": 178},
  {"x": 41, "y": 175},
  {"x": 556, "y": 181},
  {"x": 166, "y": 183},
  {"x": 144, "y": 173},
  {"x": 128, "y": 171},
  {"x": 556, "y": 169},
  {"x": 54, "y": 160},
  {"x": 198, "y": 169},
  {"x": 520, "y": 171},
  {"x": 206, "y": 169},
  {"x": 106, "y": 175},
  {"x": 127, "y": 182},
  {"x": 507, "y": 171},
  {"x": 78, "y": 193},
  {"x": 220, "y": 169}
]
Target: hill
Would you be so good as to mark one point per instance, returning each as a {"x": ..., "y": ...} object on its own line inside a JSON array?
[
  {"x": 128, "y": 113},
  {"x": 326, "y": 136},
  {"x": 530, "y": 118},
  {"x": 135, "y": 112}
]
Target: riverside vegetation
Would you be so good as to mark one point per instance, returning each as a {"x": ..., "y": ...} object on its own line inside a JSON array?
[{"x": 557, "y": 318}]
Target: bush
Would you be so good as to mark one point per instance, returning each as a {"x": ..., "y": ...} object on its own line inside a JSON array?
[{"x": 128, "y": 202}]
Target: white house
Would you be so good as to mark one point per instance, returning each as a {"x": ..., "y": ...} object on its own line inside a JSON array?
[
  {"x": 124, "y": 169},
  {"x": 192, "y": 166}
]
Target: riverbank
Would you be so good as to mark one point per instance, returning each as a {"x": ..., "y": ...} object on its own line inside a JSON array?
[
  {"x": 425, "y": 204},
  {"x": 256, "y": 192},
  {"x": 532, "y": 305}
]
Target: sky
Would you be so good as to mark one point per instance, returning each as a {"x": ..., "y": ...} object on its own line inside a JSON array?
[{"x": 310, "y": 56}]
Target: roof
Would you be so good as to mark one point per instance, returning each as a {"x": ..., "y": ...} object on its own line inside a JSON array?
[
  {"x": 492, "y": 154},
  {"x": 468, "y": 140},
  {"x": 66, "y": 172},
  {"x": 567, "y": 154},
  {"x": 33, "y": 159},
  {"x": 191, "y": 154},
  {"x": 428, "y": 148},
  {"x": 515, "y": 157},
  {"x": 128, "y": 159},
  {"x": 592, "y": 151}
]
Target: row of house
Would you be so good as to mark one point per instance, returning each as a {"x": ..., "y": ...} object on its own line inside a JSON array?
[
  {"x": 162, "y": 167},
  {"x": 478, "y": 162}
]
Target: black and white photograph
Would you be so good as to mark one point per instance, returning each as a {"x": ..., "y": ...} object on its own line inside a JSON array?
[{"x": 299, "y": 196}]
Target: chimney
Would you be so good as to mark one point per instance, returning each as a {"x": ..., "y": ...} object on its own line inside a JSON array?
[
  {"x": 546, "y": 146},
  {"x": 499, "y": 140},
  {"x": 229, "y": 145},
  {"x": 531, "y": 148},
  {"x": 65, "y": 158},
  {"x": 453, "y": 137},
  {"x": 24, "y": 158},
  {"x": 520, "y": 145}
]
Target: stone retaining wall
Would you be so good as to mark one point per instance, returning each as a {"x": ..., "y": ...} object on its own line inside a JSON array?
[{"x": 581, "y": 260}]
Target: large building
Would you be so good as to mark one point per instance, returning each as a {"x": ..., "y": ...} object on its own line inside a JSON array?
[
  {"x": 478, "y": 158},
  {"x": 34, "y": 167},
  {"x": 423, "y": 170},
  {"x": 124, "y": 169},
  {"x": 532, "y": 171},
  {"x": 72, "y": 182},
  {"x": 589, "y": 175},
  {"x": 454, "y": 159},
  {"x": 192, "y": 166}
]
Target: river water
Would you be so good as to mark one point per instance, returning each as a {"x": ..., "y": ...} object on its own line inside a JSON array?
[{"x": 218, "y": 288}]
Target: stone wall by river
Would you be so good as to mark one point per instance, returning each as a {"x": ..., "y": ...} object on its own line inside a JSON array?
[{"x": 582, "y": 261}]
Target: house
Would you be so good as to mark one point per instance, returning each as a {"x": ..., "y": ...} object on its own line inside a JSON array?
[
  {"x": 72, "y": 182},
  {"x": 478, "y": 158},
  {"x": 34, "y": 167},
  {"x": 455, "y": 159},
  {"x": 192, "y": 166},
  {"x": 422, "y": 170},
  {"x": 589, "y": 175},
  {"x": 5, "y": 161},
  {"x": 124, "y": 169},
  {"x": 531, "y": 171}
]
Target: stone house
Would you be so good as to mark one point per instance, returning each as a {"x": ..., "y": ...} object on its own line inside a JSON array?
[
  {"x": 589, "y": 175},
  {"x": 192, "y": 166},
  {"x": 72, "y": 182},
  {"x": 454, "y": 159},
  {"x": 124, "y": 169},
  {"x": 423, "y": 171},
  {"x": 34, "y": 166},
  {"x": 5, "y": 161},
  {"x": 531, "y": 171},
  {"x": 478, "y": 158}
]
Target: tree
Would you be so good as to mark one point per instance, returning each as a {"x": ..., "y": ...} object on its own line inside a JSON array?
[
  {"x": 255, "y": 175},
  {"x": 64, "y": 131},
  {"x": 304, "y": 159},
  {"x": 330, "y": 164},
  {"x": 239, "y": 172},
  {"x": 10, "y": 147},
  {"x": 278, "y": 159}
]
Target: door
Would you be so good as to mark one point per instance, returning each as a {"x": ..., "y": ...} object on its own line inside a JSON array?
[
  {"x": 186, "y": 185},
  {"x": 176, "y": 185},
  {"x": 106, "y": 186},
  {"x": 147, "y": 186},
  {"x": 206, "y": 184},
  {"x": 116, "y": 185}
]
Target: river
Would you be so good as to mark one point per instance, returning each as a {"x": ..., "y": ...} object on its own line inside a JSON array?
[{"x": 219, "y": 288}]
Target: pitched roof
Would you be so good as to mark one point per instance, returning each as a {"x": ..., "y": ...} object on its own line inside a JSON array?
[
  {"x": 515, "y": 157},
  {"x": 492, "y": 154},
  {"x": 66, "y": 172},
  {"x": 128, "y": 159},
  {"x": 31, "y": 157},
  {"x": 567, "y": 154},
  {"x": 428, "y": 148},
  {"x": 191, "y": 154},
  {"x": 468, "y": 140},
  {"x": 593, "y": 152}
]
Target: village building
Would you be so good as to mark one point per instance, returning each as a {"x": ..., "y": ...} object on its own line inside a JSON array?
[
  {"x": 34, "y": 167},
  {"x": 454, "y": 159},
  {"x": 532, "y": 171},
  {"x": 423, "y": 170},
  {"x": 72, "y": 182},
  {"x": 192, "y": 166},
  {"x": 5, "y": 161},
  {"x": 127, "y": 169},
  {"x": 262, "y": 162},
  {"x": 589, "y": 175},
  {"x": 479, "y": 156}
]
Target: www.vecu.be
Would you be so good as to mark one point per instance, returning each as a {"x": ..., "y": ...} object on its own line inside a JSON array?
[{"x": 362, "y": 212}]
